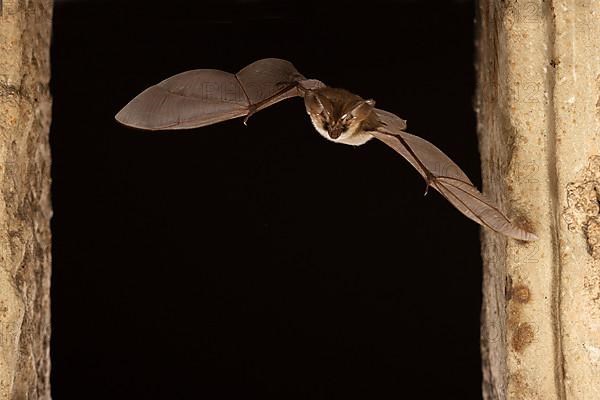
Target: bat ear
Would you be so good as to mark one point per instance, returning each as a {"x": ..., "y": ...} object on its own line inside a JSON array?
[
  {"x": 313, "y": 103},
  {"x": 362, "y": 109}
]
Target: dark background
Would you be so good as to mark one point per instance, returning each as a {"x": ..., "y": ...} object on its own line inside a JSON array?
[{"x": 233, "y": 262}]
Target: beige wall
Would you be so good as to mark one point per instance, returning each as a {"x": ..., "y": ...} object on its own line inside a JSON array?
[
  {"x": 24, "y": 199},
  {"x": 538, "y": 105}
]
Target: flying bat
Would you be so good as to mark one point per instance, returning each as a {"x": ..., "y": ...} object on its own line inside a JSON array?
[{"x": 203, "y": 97}]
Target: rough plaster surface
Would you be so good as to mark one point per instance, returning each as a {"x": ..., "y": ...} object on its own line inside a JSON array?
[
  {"x": 538, "y": 104},
  {"x": 24, "y": 199}
]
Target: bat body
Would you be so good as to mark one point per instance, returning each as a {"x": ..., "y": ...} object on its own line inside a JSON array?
[
  {"x": 336, "y": 115},
  {"x": 202, "y": 97}
]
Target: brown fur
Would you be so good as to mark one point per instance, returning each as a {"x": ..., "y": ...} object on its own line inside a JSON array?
[{"x": 338, "y": 102}]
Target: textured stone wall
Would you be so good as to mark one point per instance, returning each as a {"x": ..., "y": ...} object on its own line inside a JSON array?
[
  {"x": 25, "y": 199},
  {"x": 538, "y": 104}
]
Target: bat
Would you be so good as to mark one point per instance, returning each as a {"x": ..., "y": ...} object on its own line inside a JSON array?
[{"x": 203, "y": 97}]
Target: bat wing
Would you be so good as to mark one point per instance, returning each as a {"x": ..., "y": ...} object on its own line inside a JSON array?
[
  {"x": 445, "y": 176},
  {"x": 203, "y": 97}
]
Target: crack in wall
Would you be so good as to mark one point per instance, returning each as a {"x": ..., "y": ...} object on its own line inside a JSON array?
[{"x": 553, "y": 175}]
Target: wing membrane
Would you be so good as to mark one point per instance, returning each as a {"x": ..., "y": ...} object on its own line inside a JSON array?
[
  {"x": 267, "y": 81},
  {"x": 206, "y": 96},
  {"x": 445, "y": 176}
]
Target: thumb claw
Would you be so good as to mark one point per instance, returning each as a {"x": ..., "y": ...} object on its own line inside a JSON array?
[
  {"x": 428, "y": 181},
  {"x": 251, "y": 111}
]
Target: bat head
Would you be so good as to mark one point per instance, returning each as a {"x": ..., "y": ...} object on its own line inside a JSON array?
[{"x": 338, "y": 114}]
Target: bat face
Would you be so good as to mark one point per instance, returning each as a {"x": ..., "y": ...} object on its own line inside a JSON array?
[{"x": 339, "y": 115}]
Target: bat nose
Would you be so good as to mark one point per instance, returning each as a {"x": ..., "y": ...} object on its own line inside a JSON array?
[{"x": 335, "y": 132}]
